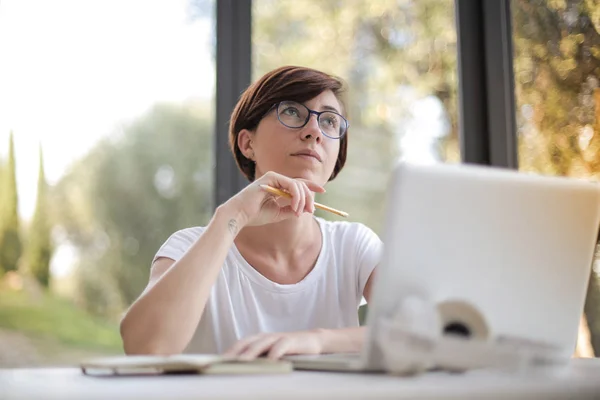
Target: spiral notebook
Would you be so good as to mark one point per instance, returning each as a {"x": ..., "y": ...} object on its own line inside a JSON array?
[{"x": 181, "y": 364}]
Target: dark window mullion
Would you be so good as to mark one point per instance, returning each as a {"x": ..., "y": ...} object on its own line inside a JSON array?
[
  {"x": 500, "y": 83},
  {"x": 486, "y": 83},
  {"x": 233, "y": 69}
]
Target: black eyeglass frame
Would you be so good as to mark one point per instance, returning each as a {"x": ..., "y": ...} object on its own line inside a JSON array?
[{"x": 310, "y": 112}]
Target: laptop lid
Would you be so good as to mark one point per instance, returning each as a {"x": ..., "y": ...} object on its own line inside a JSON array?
[{"x": 518, "y": 247}]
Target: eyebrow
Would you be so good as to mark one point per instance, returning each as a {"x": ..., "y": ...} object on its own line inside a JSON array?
[{"x": 330, "y": 108}]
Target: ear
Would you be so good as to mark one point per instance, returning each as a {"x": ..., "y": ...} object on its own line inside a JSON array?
[{"x": 244, "y": 142}]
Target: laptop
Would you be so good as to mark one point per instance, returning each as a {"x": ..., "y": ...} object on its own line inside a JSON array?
[{"x": 514, "y": 248}]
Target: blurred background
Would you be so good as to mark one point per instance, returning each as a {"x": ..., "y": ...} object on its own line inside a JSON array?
[{"x": 107, "y": 134}]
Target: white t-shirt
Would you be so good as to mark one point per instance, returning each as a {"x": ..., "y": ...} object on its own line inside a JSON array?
[{"x": 243, "y": 302}]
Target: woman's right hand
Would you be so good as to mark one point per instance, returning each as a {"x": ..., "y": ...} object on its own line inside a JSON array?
[{"x": 258, "y": 207}]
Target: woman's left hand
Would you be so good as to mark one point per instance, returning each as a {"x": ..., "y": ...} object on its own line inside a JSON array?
[{"x": 276, "y": 345}]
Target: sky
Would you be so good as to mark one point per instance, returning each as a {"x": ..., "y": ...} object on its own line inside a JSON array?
[{"x": 72, "y": 71}]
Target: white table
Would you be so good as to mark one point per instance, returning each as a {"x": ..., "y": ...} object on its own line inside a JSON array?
[{"x": 580, "y": 380}]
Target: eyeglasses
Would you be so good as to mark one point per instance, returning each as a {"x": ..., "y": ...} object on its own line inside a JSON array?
[{"x": 297, "y": 115}]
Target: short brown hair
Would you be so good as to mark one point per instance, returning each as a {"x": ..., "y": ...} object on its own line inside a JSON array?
[{"x": 285, "y": 83}]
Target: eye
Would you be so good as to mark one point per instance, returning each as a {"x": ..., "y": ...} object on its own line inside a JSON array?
[
  {"x": 330, "y": 120},
  {"x": 291, "y": 111}
]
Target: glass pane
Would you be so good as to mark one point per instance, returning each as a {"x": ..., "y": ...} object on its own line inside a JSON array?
[
  {"x": 119, "y": 98},
  {"x": 399, "y": 61},
  {"x": 556, "y": 77},
  {"x": 556, "y": 63}
]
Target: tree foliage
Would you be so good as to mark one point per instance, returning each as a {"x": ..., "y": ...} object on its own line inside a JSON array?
[
  {"x": 39, "y": 245},
  {"x": 557, "y": 54},
  {"x": 3, "y": 171},
  {"x": 10, "y": 236},
  {"x": 121, "y": 202}
]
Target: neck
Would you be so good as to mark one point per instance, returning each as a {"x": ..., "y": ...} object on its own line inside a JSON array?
[{"x": 281, "y": 238}]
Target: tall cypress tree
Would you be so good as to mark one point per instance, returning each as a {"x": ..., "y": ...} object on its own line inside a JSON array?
[
  {"x": 10, "y": 240},
  {"x": 39, "y": 246},
  {"x": 2, "y": 189}
]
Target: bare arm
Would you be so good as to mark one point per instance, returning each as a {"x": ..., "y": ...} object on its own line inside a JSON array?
[{"x": 164, "y": 318}]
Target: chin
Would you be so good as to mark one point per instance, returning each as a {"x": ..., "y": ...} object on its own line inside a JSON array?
[
  {"x": 308, "y": 174},
  {"x": 313, "y": 177}
]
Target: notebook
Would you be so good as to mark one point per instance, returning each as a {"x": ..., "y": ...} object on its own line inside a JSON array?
[{"x": 181, "y": 364}]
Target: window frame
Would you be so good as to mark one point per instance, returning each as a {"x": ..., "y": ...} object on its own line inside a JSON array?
[{"x": 486, "y": 83}]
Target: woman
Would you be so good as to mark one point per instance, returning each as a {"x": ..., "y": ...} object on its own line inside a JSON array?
[{"x": 265, "y": 276}]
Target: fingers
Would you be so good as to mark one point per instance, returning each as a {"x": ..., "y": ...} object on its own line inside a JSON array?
[
  {"x": 290, "y": 186},
  {"x": 280, "y": 348},
  {"x": 301, "y": 198},
  {"x": 258, "y": 347},
  {"x": 308, "y": 198},
  {"x": 240, "y": 346},
  {"x": 313, "y": 186},
  {"x": 274, "y": 345},
  {"x": 300, "y": 190}
]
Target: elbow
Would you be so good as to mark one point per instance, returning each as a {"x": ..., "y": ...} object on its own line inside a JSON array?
[
  {"x": 135, "y": 343},
  {"x": 143, "y": 350},
  {"x": 131, "y": 346},
  {"x": 135, "y": 346}
]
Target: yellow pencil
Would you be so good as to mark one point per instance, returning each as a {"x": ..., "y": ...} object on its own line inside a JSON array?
[{"x": 278, "y": 192}]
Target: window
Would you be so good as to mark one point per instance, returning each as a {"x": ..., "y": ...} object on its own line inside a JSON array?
[
  {"x": 556, "y": 82},
  {"x": 119, "y": 98},
  {"x": 556, "y": 61},
  {"x": 399, "y": 61}
]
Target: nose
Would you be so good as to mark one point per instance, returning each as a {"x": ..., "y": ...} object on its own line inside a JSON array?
[{"x": 312, "y": 130}]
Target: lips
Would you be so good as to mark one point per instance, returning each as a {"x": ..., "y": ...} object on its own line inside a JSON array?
[{"x": 308, "y": 153}]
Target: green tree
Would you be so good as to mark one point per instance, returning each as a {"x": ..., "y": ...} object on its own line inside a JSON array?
[
  {"x": 557, "y": 66},
  {"x": 3, "y": 168},
  {"x": 10, "y": 239},
  {"x": 39, "y": 245},
  {"x": 121, "y": 202}
]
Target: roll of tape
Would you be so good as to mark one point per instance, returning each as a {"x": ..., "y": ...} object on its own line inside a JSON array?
[
  {"x": 462, "y": 318},
  {"x": 452, "y": 335}
]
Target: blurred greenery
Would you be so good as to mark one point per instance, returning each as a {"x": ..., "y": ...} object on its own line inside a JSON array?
[
  {"x": 38, "y": 250},
  {"x": 10, "y": 235},
  {"x": 119, "y": 204},
  {"x": 51, "y": 316},
  {"x": 557, "y": 67}
]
